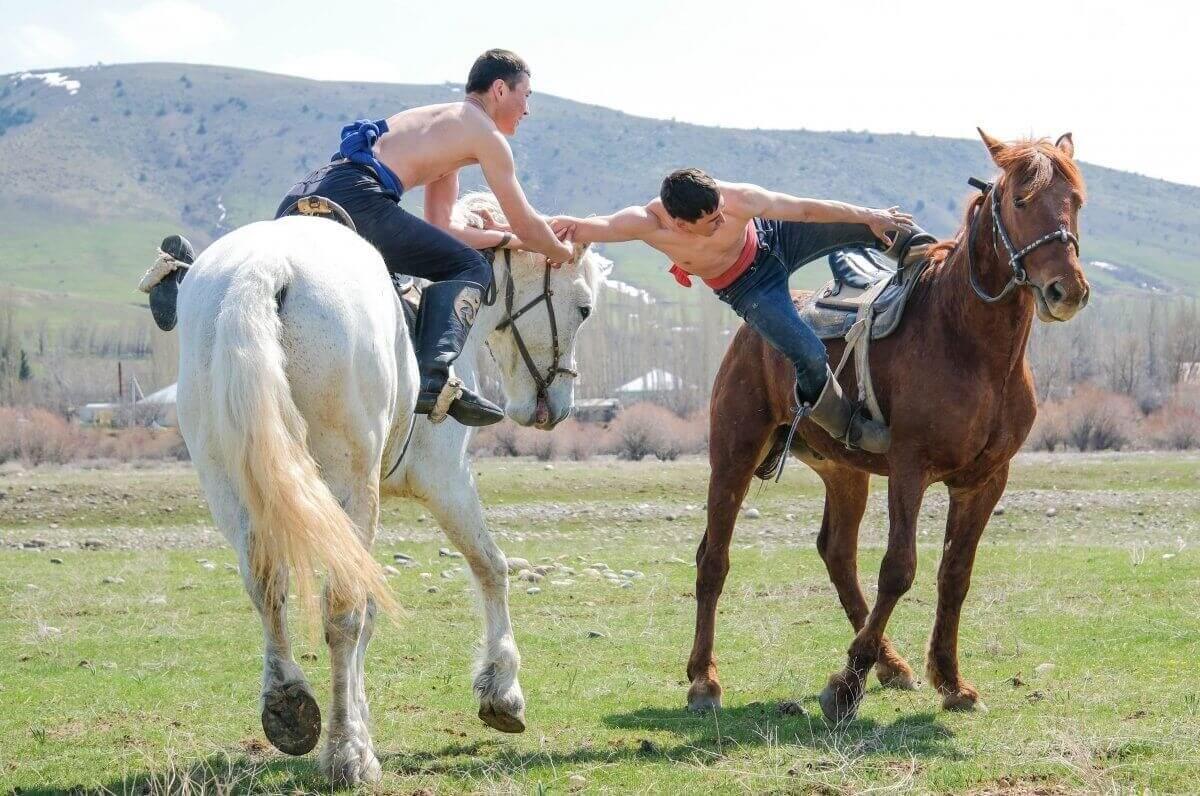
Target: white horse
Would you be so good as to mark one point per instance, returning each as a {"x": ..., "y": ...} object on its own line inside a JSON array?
[{"x": 297, "y": 384}]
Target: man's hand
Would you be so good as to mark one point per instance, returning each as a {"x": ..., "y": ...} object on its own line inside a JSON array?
[
  {"x": 489, "y": 222},
  {"x": 563, "y": 228},
  {"x": 563, "y": 254},
  {"x": 882, "y": 222}
]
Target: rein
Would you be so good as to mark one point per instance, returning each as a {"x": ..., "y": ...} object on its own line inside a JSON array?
[
  {"x": 1019, "y": 276},
  {"x": 510, "y": 318}
]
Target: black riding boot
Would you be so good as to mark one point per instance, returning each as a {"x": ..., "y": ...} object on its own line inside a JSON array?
[
  {"x": 165, "y": 293},
  {"x": 447, "y": 312}
]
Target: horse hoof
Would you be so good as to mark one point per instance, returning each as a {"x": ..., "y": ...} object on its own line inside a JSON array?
[
  {"x": 704, "y": 696},
  {"x": 901, "y": 681},
  {"x": 504, "y": 722},
  {"x": 837, "y": 705},
  {"x": 291, "y": 719},
  {"x": 964, "y": 702}
]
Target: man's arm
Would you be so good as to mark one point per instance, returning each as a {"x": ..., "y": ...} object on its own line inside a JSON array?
[
  {"x": 757, "y": 201},
  {"x": 440, "y": 196},
  {"x": 495, "y": 158},
  {"x": 632, "y": 223}
]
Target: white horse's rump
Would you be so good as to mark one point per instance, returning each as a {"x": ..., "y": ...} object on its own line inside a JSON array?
[{"x": 296, "y": 377}]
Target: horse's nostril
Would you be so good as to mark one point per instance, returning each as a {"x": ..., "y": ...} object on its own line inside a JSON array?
[{"x": 1055, "y": 292}]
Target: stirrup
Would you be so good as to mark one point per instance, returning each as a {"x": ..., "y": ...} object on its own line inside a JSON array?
[{"x": 452, "y": 390}]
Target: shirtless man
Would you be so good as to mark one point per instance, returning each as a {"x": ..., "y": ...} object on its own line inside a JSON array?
[
  {"x": 378, "y": 161},
  {"x": 744, "y": 242}
]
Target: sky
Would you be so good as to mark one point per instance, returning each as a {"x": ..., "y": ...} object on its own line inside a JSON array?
[{"x": 1123, "y": 77}]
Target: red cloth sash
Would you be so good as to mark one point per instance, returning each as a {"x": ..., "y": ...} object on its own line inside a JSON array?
[{"x": 730, "y": 274}]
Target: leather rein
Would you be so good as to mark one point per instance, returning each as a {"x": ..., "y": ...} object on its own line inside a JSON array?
[
  {"x": 510, "y": 318},
  {"x": 1019, "y": 276}
]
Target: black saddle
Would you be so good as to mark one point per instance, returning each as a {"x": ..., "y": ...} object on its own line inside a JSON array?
[{"x": 859, "y": 273}]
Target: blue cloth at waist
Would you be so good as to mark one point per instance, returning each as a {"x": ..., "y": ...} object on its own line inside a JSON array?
[{"x": 358, "y": 141}]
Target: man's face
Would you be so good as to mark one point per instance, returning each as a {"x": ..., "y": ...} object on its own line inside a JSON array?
[
  {"x": 707, "y": 225},
  {"x": 512, "y": 104}
]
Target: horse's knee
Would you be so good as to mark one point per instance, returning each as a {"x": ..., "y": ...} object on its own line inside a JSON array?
[{"x": 897, "y": 574}]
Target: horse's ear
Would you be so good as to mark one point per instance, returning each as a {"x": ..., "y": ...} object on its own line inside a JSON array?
[
  {"x": 994, "y": 146},
  {"x": 1066, "y": 144}
]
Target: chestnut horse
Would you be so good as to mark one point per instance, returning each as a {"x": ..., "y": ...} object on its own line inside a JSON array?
[{"x": 955, "y": 387}]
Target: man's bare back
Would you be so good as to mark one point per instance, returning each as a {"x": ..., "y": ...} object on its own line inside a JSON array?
[{"x": 425, "y": 144}]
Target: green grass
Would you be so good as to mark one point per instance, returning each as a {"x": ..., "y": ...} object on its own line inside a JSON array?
[{"x": 155, "y": 680}]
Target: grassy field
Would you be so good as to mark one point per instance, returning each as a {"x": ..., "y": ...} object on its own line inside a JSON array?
[{"x": 133, "y": 665}]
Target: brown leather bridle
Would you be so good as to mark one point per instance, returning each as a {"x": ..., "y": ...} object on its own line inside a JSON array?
[
  {"x": 1019, "y": 276},
  {"x": 510, "y": 318}
]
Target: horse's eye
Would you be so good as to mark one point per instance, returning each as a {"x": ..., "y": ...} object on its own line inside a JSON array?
[
  {"x": 1019, "y": 203},
  {"x": 585, "y": 312}
]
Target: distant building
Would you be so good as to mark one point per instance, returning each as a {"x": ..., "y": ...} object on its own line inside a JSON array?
[
  {"x": 155, "y": 409},
  {"x": 597, "y": 410},
  {"x": 653, "y": 381}
]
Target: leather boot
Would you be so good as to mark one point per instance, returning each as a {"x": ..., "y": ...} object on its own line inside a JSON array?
[
  {"x": 833, "y": 413},
  {"x": 447, "y": 312},
  {"x": 164, "y": 295}
]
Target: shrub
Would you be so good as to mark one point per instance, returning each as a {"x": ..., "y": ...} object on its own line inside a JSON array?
[
  {"x": 505, "y": 438},
  {"x": 638, "y": 431},
  {"x": 542, "y": 445},
  {"x": 36, "y": 436},
  {"x": 646, "y": 429},
  {"x": 579, "y": 441},
  {"x": 1176, "y": 425},
  {"x": 1049, "y": 430},
  {"x": 1099, "y": 420}
]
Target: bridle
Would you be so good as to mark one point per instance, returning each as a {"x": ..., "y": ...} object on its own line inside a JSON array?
[
  {"x": 1019, "y": 276},
  {"x": 510, "y": 321}
]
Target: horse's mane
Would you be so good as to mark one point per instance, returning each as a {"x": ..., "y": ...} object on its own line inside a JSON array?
[
  {"x": 592, "y": 266},
  {"x": 1033, "y": 163}
]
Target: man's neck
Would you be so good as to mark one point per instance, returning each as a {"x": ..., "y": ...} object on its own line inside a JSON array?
[{"x": 472, "y": 99}]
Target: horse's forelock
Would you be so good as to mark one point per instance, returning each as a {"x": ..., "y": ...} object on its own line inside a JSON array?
[{"x": 1035, "y": 162}]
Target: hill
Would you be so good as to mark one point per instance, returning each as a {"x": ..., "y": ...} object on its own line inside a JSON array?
[{"x": 98, "y": 163}]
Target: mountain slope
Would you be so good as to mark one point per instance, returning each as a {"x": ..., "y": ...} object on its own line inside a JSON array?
[{"x": 99, "y": 163}]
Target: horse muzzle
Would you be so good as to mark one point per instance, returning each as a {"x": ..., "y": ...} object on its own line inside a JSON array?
[{"x": 1061, "y": 299}]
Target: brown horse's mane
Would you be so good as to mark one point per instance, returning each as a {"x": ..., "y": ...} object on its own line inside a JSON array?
[{"x": 1033, "y": 163}]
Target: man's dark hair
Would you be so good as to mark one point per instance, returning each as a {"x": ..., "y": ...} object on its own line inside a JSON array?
[
  {"x": 496, "y": 65},
  {"x": 688, "y": 194}
]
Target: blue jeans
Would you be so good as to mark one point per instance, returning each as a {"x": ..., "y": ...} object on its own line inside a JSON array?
[
  {"x": 762, "y": 299},
  {"x": 409, "y": 245}
]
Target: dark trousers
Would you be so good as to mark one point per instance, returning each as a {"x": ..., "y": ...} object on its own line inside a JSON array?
[
  {"x": 409, "y": 245},
  {"x": 762, "y": 299}
]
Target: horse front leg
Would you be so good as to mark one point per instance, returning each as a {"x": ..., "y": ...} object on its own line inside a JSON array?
[
  {"x": 970, "y": 509},
  {"x": 454, "y": 502},
  {"x": 738, "y": 440},
  {"x": 844, "y": 692}
]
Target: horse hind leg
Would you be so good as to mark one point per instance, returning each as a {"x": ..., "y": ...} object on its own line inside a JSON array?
[
  {"x": 291, "y": 718},
  {"x": 846, "y": 492},
  {"x": 348, "y": 757},
  {"x": 844, "y": 692}
]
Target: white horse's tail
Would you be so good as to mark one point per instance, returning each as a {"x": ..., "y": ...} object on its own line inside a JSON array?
[{"x": 294, "y": 518}]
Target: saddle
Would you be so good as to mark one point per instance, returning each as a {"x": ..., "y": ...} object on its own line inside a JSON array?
[
  {"x": 865, "y": 285},
  {"x": 864, "y": 301}
]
